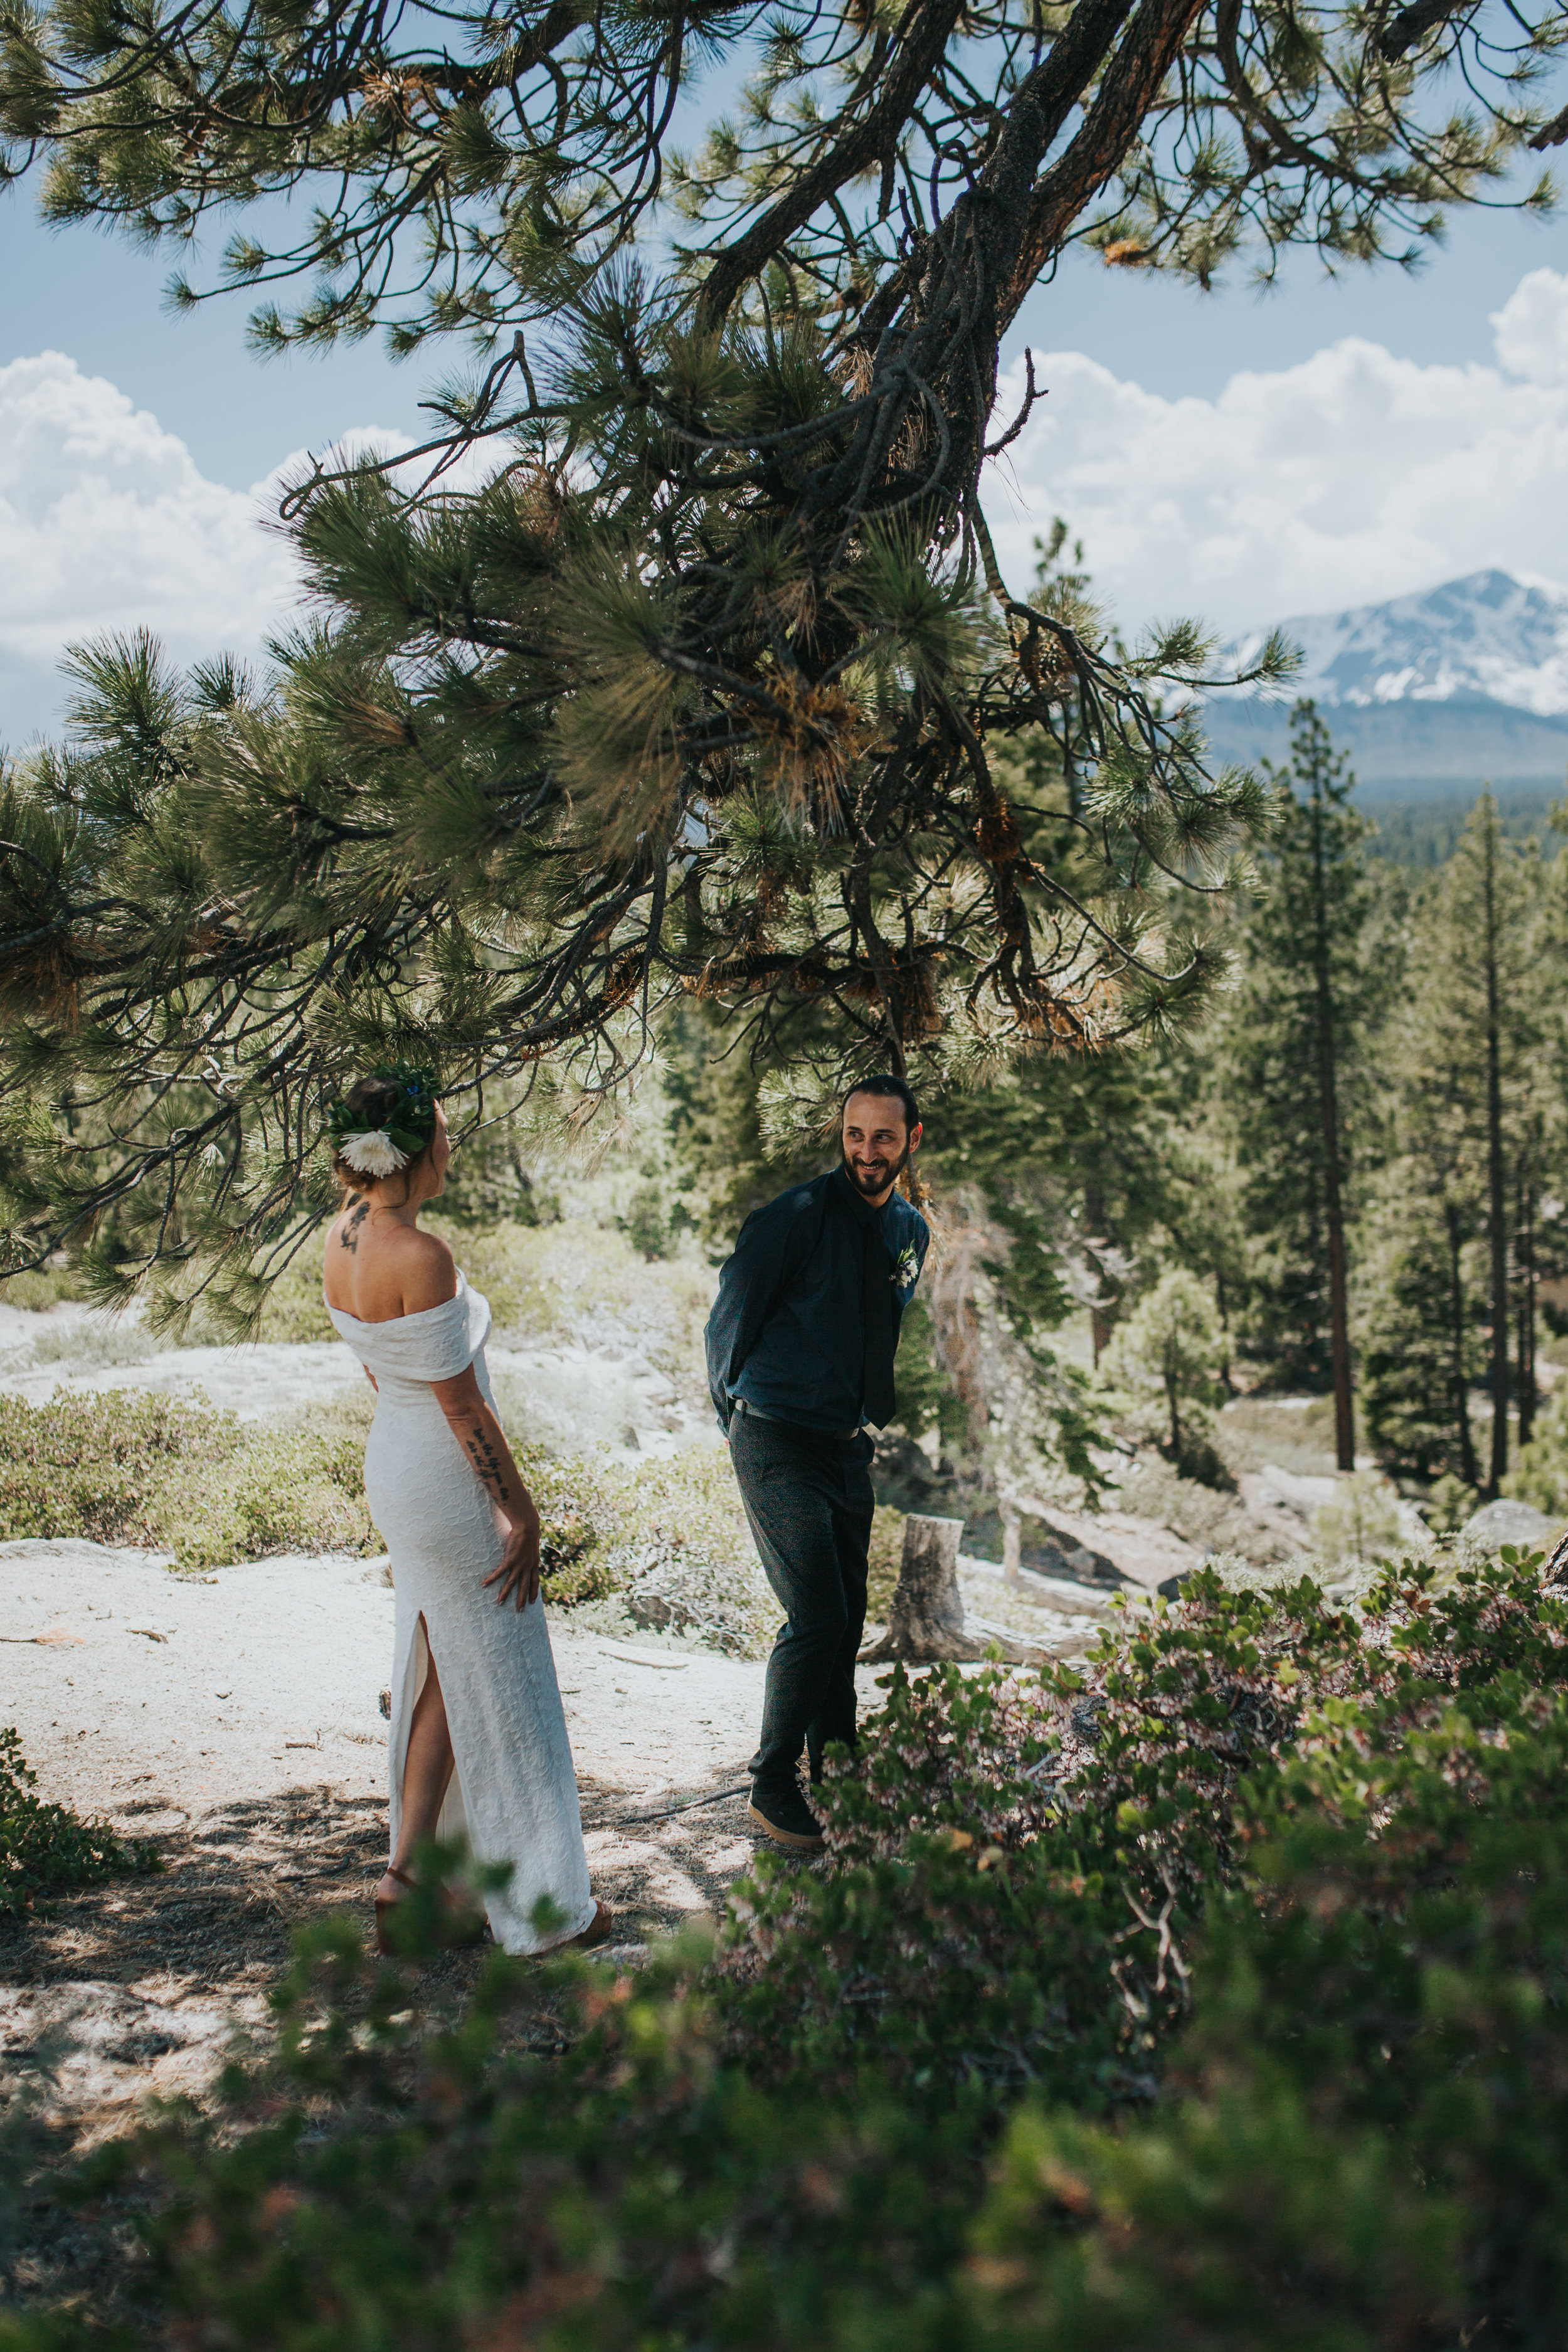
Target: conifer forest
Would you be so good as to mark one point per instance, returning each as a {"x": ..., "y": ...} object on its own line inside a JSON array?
[{"x": 659, "y": 747}]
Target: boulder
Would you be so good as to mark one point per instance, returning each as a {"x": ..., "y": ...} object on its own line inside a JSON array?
[{"x": 1507, "y": 1521}]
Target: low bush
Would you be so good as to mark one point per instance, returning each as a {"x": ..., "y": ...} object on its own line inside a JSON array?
[
  {"x": 1199, "y": 1513},
  {"x": 580, "y": 1280},
  {"x": 1216, "y": 1996},
  {"x": 176, "y": 1474},
  {"x": 675, "y": 1543},
  {"x": 173, "y": 1472},
  {"x": 45, "y": 1848}
]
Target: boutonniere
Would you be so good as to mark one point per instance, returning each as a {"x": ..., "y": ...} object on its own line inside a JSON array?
[{"x": 906, "y": 1267}]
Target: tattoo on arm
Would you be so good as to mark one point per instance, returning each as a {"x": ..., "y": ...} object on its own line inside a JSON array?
[{"x": 485, "y": 1461}]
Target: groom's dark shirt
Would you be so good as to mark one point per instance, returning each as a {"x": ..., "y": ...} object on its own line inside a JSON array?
[{"x": 789, "y": 1331}]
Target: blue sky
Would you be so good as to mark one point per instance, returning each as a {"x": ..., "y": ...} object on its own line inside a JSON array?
[
  {"x": 1238, "y": 456},
  {"x": 100, "y": 300}
]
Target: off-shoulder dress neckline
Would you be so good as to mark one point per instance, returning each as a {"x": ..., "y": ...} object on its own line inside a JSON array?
[{"x": 386, "y": 1321}]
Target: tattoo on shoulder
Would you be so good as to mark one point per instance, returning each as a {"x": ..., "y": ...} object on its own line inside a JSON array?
[{"x": 349, "y": 1237}]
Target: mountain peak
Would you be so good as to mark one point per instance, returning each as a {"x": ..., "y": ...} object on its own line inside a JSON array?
[{"x": 1487, "y": 636}]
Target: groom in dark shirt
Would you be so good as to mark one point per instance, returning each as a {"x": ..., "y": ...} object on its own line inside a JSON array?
[{"x": 800, "y": 1357}]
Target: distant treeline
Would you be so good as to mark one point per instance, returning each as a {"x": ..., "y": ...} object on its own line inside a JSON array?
[
  {"x": 1351, "y": 1178},
  {"x": 1427, "y": 833}
]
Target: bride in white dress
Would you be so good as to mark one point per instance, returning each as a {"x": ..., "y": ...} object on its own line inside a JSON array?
[{"x": 478, "y": 1746}]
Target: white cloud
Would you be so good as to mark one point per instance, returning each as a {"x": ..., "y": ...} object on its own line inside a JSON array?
[
  {"x": 1529, "y": 333},
  {"x": 1353, "y": 477},
  {"x": 107, "y": 524}
]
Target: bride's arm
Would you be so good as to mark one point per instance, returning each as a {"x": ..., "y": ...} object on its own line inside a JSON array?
[{"x": 483, "y": 1440}]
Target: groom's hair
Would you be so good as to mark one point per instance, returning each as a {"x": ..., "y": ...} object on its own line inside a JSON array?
[{"x": 895, "y": 1089}]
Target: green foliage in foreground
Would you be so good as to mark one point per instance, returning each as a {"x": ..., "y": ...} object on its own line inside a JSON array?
[
  {"x": 45, "y": 1848},
  {"x": 1216, "y": 1998}
]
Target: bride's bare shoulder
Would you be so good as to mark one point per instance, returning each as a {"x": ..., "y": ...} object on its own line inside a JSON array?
[
  {"x": 377, "y": 1272},
  {"x": 428, "y": 1272}
]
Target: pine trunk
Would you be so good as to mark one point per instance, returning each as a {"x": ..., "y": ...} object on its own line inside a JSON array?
[
  {"x": 1470, "y": 1469},
  {"x": 1100, "y": 1321},
  {"x": 1329, "y": 1117},
  {"x": 1524, "y": 1266},
  {"x": 1497, "y": 1198}
]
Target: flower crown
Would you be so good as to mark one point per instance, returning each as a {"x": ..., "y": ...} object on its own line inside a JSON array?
[{"x": 382, "y": 1151}]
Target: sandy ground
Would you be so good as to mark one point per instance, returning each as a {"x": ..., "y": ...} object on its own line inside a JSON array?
[{"x": 235, "y": 1719}]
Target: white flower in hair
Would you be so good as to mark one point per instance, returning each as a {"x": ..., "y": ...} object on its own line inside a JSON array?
[{"x": 372, "y": 1152}]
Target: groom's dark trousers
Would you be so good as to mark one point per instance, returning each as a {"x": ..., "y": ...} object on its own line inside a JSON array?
[
  {"x": 800, "y": 1355},
  {"x": 808, "y": 1497}
]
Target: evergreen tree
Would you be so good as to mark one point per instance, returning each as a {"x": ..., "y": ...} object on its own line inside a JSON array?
[
  {"x": 697, "y": 691},
  {"x": 1468, "y": 1167},
  {"x": 1172, "y": 1341},
  {"x": 1318, "y": 972},
  {"x": 1421, "y": 1342}
]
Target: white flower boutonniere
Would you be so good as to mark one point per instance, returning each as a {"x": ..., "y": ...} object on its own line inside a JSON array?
[{"x": 906, "y": 1268}]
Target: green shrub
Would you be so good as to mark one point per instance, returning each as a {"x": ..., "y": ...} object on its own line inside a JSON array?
[
  {"x": 1232, "y": 2220},
  {"x": 176, "y": 1474},
  {"x": 46, "y": 1286},
  {"x": 1362, "y": 1523},
  {"x": 576, "y": 1279},
  {"x": 170, "y": 1473},
  {"x": 43, "y": 1848},
  {"x": 634, "y": 2191},
  {"x": 295, "y": 1486},
  {"x": 96, "y": 1466},
  {"x": 1216, "y": 1997},
  {"x": 1000, "y": 1931},
  {"x": 1370, "y": 2143},
  {"x": 1541, "y": 1473}
]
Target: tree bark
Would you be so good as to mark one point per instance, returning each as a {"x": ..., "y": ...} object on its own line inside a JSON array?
[
  {"x": 1012, "y": 1545},
  {"x": 1099, "y": 1322},
  {"x": 1470, "y": 1469},
  {"x": 1496, "y": 1192},
  {"x": 1328, "y": 1112},
  {"x": 1524, "y": 1269},
  {"x": 926, "y": 1625}
]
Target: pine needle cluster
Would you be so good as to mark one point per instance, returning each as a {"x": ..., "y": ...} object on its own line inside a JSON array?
[{"x": 698, "y": 675}]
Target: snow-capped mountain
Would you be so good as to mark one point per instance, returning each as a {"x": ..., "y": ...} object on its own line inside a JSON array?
[
  {"x": 1487, "y": 634},
  {"x": 1432, "y": 694}
]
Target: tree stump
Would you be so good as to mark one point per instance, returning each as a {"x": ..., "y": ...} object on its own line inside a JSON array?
[
  {"x": 1556, "y": 1567},
  {"x": 926, "y": 1624}
]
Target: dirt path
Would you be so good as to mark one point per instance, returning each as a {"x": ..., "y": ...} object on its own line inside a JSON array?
[{"x": 234, "y": 1719}]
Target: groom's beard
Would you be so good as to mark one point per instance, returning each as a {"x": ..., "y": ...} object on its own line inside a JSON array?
[{"x": 877, "y": 1174}]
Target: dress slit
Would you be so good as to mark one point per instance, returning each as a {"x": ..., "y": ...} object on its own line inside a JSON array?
[
  {"x": 452, "y": 1822},
  {"x": 512, "y": 1796}
]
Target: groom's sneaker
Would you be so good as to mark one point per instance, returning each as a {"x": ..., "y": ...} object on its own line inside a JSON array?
[{"x": 783, "y": 1815}]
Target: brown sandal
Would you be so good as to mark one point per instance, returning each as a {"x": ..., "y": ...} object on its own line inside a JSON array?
[
  {"x": 600, "y": 1929},
  {"x": 383, "y": 1910},
  {"x": 456, "y": 1936}
]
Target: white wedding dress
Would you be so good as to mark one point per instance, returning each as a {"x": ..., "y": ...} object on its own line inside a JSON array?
[{"x": 513, "y": 1796}]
